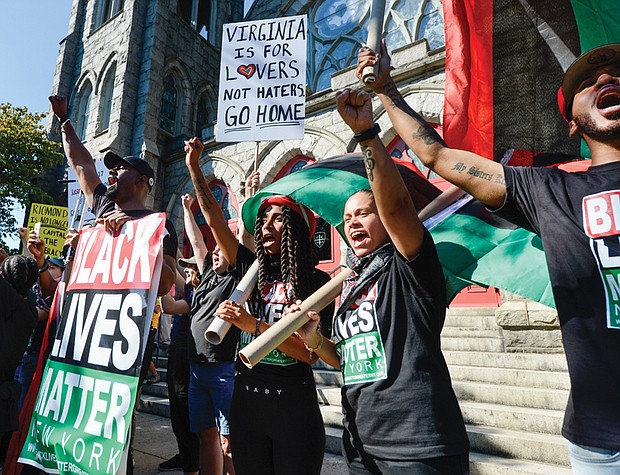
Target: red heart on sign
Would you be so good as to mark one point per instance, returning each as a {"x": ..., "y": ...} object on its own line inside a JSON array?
[{"x": 247, "y": 71}]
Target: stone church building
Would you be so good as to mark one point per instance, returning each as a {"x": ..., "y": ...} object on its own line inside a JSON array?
[{"x": 142, "y": 77}]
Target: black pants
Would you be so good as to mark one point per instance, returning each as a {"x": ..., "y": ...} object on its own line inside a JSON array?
[
  {"x": 276, "y": 429},
  {"x": 178, "y": 385}
]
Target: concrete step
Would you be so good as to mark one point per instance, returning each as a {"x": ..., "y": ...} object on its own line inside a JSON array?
[
  {"x": 154, "y": 405},
  {"x": 480, "y": 322},
  {"x": 496, "y": 451},
  {"x": 489, "y": 344},
  {"x": 324, "y": 377},
  {"x": 545, "y": 448},
  {"x": 533, "y": 361},
  {"x": 159, "y": 389},
  {"x": 329, "y": 395},
  {"x": 485, "y": 464},
  {"x": 511, "y": 377},
  {"x": 467, "y": 332},
  {"x": 541, "y": 398},
  {"x": 332, "y": 416},
  {"x": 542, "y": 421}
]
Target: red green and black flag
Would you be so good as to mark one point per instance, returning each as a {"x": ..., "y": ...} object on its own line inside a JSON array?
[{"x": 474, "y": 246}]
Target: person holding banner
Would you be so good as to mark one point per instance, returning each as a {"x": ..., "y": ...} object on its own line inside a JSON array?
[
  {"x": 400, "y": 412},
  {"x": 276, "y": 425},
  {"x": 576, "y": 215},
  {"x": 129, "y": 183}
]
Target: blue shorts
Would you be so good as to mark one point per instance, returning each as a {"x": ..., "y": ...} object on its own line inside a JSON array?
[{"x": 210, "y": 393}]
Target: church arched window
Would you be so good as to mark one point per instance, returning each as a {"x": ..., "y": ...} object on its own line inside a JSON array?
[
  {"x": 82, "y": 116},
  {"x": 169, "y": 105}
]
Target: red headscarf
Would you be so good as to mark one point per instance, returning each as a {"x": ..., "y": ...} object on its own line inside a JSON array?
[{"x": 301, "y": 210}]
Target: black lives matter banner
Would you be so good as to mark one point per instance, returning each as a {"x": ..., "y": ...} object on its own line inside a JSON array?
[{"x": 83, "y": 411}]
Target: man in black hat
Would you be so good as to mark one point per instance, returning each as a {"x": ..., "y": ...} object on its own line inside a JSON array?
[
  {"x": 578, "y": 218},
  {"x": 130, "y": 180}
]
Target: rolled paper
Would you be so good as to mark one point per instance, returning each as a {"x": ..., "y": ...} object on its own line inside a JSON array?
[
  {"x": 218, "y": 328},
  {"x": 375, "y": 30},
  {"x": 275, "y": 335},
  {"x": 444, "y": 200}
]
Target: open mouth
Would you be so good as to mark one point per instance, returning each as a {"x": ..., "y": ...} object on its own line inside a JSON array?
[
  {"x": 112, "y": 179},
  {"x": 268, "y": 239},
  {"x": 608, "y": 100},
  {"x": 358, "y": 237}
]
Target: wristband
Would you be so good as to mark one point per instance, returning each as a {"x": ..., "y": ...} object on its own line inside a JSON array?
[
  {"x": 257, "y": 331},
  {"x": 64, "y": 122},
  {"x": 45, "y": 267},
  {"x": 367, "y": 134}
]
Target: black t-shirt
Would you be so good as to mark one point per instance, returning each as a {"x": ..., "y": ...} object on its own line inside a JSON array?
[
  {"x": 102, "y": 204},
  {"x": 277, "y": 367},
  {"x": 18, "y": 317},
  {"x": 578, "y": 218},
  {"x": 397, "y": 396},
  {"x": 212, "y": 291}
]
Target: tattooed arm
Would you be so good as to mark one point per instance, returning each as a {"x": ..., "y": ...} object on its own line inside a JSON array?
[
  {"x": 394, "y": 204},
  {"x": 210, "y": 208},
  {"x": 477, "y": 175}
]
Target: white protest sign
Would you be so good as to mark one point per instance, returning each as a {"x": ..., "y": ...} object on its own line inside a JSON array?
[
  {"x": 262, "y": 92},
  {"x": 73, "y": 190}
]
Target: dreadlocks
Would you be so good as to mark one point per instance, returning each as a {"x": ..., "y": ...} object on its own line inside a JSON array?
[{"x": 297, "y": 259}]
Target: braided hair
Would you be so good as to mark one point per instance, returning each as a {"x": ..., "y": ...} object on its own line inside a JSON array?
[
  {"x": 296, "y": 260},
  {"x": 21, "y": 272}
]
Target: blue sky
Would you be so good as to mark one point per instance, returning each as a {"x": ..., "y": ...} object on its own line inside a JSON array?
[{"x": 29, "y": 37}]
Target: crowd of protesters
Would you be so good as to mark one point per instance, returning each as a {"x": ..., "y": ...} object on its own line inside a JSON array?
[{"x": 401, "y": 416}]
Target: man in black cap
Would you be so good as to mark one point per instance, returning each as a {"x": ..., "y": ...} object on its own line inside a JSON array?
[
  {"x": 129, "y": 182},
  {"x": 578, "y": 218}
]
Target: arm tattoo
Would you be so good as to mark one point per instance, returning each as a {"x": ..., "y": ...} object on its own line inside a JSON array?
[
  {"x": 475, "y": 172},
  {"x": 204, "y": 195},
  {"x": 369, "y": 162},
  {"x": 425, "y": 132}
]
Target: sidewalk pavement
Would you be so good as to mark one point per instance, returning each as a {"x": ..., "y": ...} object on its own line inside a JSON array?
[{"x": 154, "y": 443}]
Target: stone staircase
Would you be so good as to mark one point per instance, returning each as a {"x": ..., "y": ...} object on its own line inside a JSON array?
[{"x": 512, "y": 402}]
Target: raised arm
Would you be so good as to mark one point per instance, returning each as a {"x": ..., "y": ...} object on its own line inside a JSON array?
[
  {"x": 479, "y": 176},
  {"x": 210, "y": 208},
  {"x": 393, "y": 201},
  {"x": 79, "y": 158},
  {"x": 193, "y": 232}
]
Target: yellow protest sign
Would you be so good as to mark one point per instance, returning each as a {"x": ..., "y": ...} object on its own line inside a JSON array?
[{"x": 53, "y": 221}]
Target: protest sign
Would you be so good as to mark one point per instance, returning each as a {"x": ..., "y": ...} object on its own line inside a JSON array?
[
  {"x": 262, "y": 92},
  {"x": 82, "y": 415},
  {"x": 53, "y": 228},
  {"x": 73, "y": 191}
]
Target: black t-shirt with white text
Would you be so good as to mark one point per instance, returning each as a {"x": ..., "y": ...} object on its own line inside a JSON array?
[
  {"x": 578, "y": 218},
  {"x": 397, "y": 396},
  {"x": 278, "y": 367}
]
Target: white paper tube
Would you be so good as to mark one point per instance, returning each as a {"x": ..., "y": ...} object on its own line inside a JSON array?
[
  {"x": 275, "y": 335},
  {"x": 375, "y": 30},
  {"x": 218, "y": 328}
]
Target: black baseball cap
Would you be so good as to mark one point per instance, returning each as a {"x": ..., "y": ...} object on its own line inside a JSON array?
[
  {"x": 111, "y": 160},
  {"x": 581, "y": 69}
]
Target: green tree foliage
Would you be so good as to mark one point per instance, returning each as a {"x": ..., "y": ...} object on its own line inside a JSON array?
[{"x": 25, "y": 151}]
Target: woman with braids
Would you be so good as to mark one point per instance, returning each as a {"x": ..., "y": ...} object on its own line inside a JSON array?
[{"x": 276, "y": 426}]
